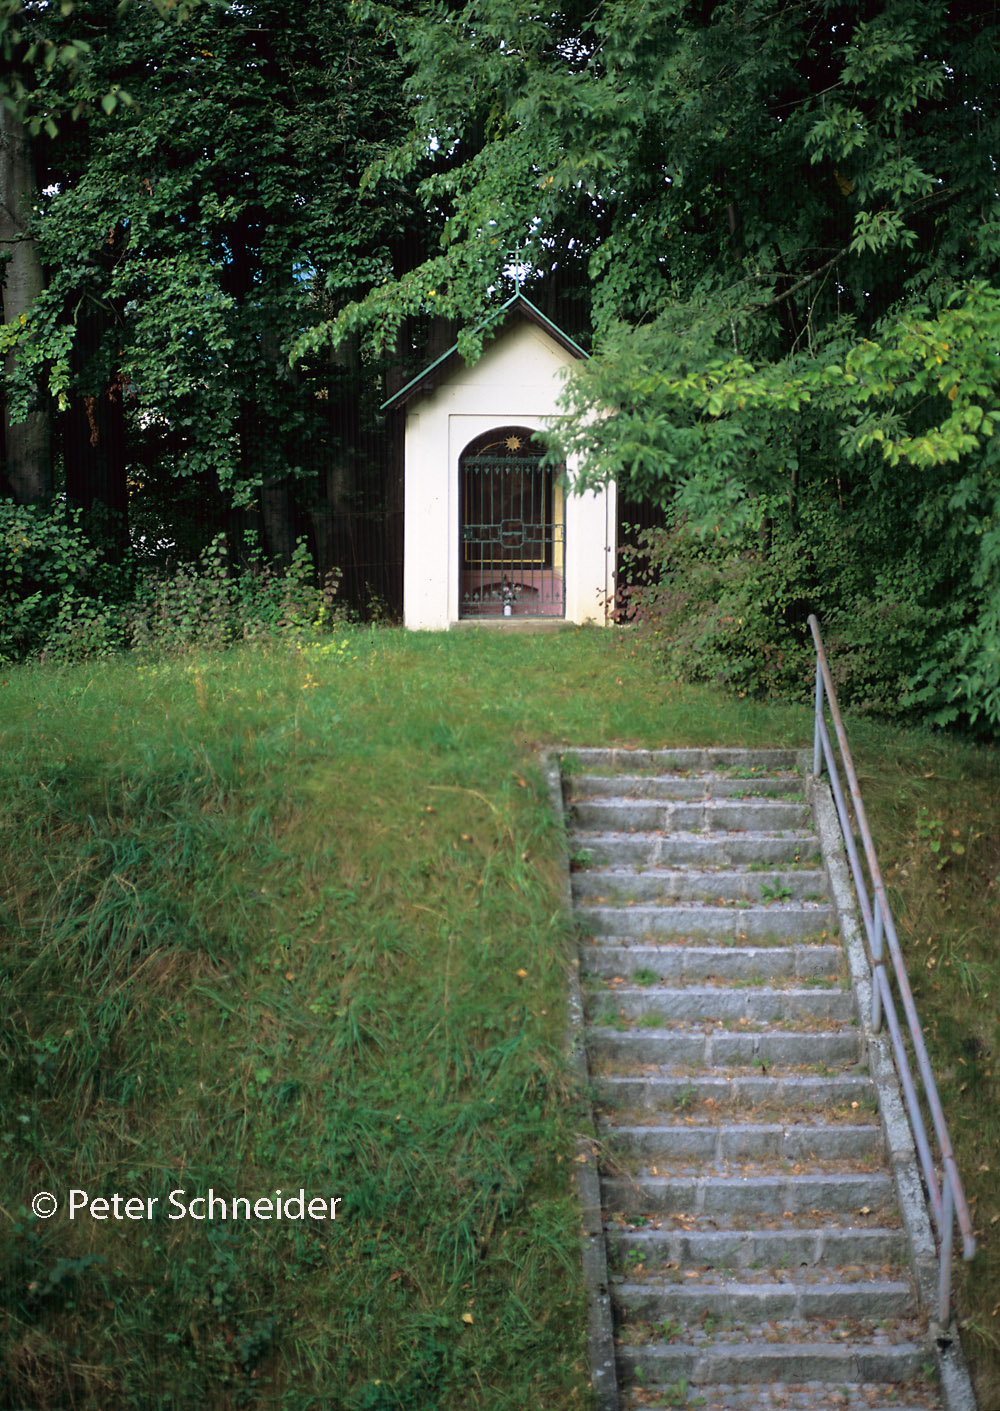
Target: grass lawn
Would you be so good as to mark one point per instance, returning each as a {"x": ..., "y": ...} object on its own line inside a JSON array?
[{"x": 292, "y": 921}]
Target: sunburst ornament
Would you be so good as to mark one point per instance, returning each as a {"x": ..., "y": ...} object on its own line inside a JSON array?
[{"x": 513, "y": 443}]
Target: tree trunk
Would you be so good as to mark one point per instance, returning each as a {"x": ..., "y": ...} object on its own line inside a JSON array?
[
  {"x": 327, "y": 507},
  {"x": 28, "y": 443},
  {"x": 277, "y": 506},
  {"x": 94, "y": 458},
  {"x": 277, "y": 496}
]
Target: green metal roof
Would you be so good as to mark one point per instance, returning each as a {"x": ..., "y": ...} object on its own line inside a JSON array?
[{"x": 525, "y": 306}]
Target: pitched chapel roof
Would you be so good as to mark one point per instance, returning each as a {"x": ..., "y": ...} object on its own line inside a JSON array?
[{"x": 429, "y": 378}]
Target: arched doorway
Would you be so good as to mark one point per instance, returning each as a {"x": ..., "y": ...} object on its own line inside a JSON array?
[{"x": 511, "y": 529}]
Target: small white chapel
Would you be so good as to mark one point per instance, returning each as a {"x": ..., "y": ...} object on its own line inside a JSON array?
[{"x": 490, "y": 533}]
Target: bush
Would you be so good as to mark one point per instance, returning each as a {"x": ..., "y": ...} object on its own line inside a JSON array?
[
  {"x": 84, "y": 627},
  {"x": 60, "y": 602},
  {"x": 733, "y": 611},
  {"x": 46, "y": 565},
  {"x": 206, "y": 605}
]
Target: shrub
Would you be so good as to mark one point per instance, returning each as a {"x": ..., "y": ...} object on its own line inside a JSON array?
[
  {"x": 733, "y": 611},
  {"x": 46, "y": 563},
  {"x": 59, "y": 601},
  {"x": 206, "y": 605},
  {"x": 83, "y": 627}
]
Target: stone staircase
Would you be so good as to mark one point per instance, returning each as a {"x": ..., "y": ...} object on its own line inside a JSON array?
[{"x": 755, "y": 1248}]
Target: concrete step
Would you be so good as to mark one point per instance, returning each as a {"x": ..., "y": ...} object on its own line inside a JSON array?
[
  {"x": 625, "y": 815},
  {"x": 779, "y": 921},
  {"x": 870, "y": 1300},
  {"x": 691, "y": 962},
  {"x": 711, "y": 1047},
  {"x": 658, "y": 1006},
  {"x": 681, "y": 849},
  {"x": 628, "y": 885},
  {"x": 781, "y": 1360},
  {"x": 706, "y": 1095},
  {"x": 661, "y": 1248},
  {"x": 748, "y": 763},
  {"x": 771, "y": 1193},
  {"x": 668, "y": 1143},
  {"x": 696, "y": 785},
  {"x": 756, "y": 1252},
  {"x": 785, "y": 1396}
]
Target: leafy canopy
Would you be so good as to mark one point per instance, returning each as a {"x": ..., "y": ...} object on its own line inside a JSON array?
[{"x": 786, "y": 216}]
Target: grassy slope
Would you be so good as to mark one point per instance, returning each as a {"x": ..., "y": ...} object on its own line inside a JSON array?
[
  {"x": 934, "y": 806},
  {"x": 282, "y": 921}
]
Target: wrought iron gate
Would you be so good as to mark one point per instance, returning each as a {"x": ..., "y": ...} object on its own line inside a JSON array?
[{"x": 512, "y": 537}]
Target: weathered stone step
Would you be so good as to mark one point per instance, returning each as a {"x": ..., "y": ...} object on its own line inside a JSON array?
[
  {"x": 748, "y": 1141},
  {"x": 659, "y": 1006},
  {"x": 716, "y": 1048},
  {"x": 843, "y": 1396},
  {"x": 748, "y": 763},
  {"x": 828, "y": 1246},
  {"x": 778, "y": 1361},
  {"x": 626, "y": 885},
  {"x": 725, "y": 1093},
  {"x": 772, "y": 1193},
  {"x": 694, "y": 849},
  {"x": 819, "y": 962},
  {"x": 626, "y": 815},
  {"x": 782, "y": 920},
  {"x": 787, "y": 786},
  {"x": 786, "y": 1301},
  {"x": 757, "y": 1254}
]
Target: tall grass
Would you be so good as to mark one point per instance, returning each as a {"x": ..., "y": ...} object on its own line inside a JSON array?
[
  {"x": 934, "y": 806},
  {"x": 283, "y": 919}
]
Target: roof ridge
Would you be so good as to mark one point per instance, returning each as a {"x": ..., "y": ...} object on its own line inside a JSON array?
[{"x": 494, "y": 316}]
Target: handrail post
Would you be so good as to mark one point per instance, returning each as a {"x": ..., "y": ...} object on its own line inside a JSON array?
[
  {"x": 818, "y": 715},
  {"x": 876, "y": 961},
  {"x": 944, "y": 1273}
]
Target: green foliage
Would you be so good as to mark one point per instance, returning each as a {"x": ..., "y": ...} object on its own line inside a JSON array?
[
  {"x": 47, "y": 565},
  {"x": 207, "y": 605},
  {"x": 932, "y": 802},
  {"x": 84, "y": 627},
  {"x": 732, "y": 609},
  {"x": 241, "y": 954},
  {"x": 782, "y": 223},
  {"x": 34, "y": 57},
  {"x": 187, "y": 241},
  {"x": 60, "y": 603},
  {"x": 787, "y": 219},
  {"x": 240, "y": 951}
]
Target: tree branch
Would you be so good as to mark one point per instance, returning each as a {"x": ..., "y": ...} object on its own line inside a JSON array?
[
  {"x": 806, "y": 279},
  {"x": 919, "y": 204}
]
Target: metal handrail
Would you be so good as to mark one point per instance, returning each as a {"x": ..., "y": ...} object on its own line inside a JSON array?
[{"x": 945, "y": 1196}]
